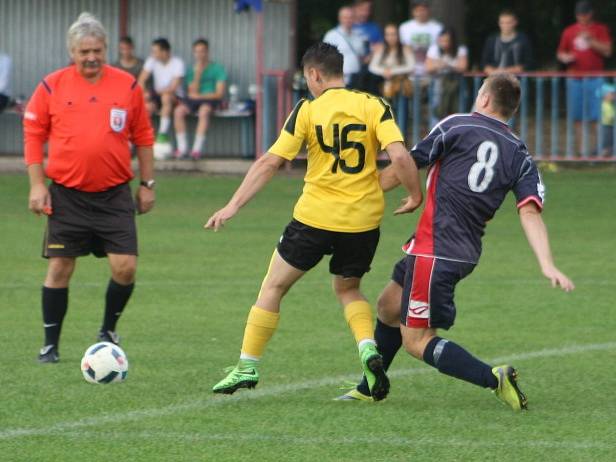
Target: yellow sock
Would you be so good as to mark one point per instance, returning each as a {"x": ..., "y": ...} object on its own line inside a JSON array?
[
  {"x": 359, "y": 316},
  {"x": 260, "y": 327}
]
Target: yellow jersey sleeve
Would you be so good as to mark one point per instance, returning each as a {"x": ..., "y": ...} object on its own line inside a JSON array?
[
  {"x": 293, "y": 134},
  {"x": 385, "y": 126}
]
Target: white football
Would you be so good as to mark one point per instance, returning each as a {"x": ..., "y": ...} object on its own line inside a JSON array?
[
  {"x": 104, "y": 362},
  {"x": 162, "y": 151}
]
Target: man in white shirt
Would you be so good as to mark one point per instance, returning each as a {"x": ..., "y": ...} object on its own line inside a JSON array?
[
  {"x": 5, "y": 79},
  {"x": 350, "y": 42},
  {"x": 419, "y": 33},
  {"x": 167, "y": 71}
]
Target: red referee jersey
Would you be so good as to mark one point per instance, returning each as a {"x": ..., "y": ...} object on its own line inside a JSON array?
[{"x": 87, "y": 127}]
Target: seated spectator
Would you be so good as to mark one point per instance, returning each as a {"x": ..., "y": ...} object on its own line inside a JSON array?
[
  {"x": 507, "y": 50},
  {"x": 350, "y": 42},
  {"x": 5, "y": 80},
  {"x": 420, "y": 33},
  {"x": 167, "y": 72},
  {"x": 583, "y": 47},
  {"x": 394, "y": 62},
  {"x": 447, "y": 60},
  {"x": 127, "y": 61},
  {"x": 206, "y": 83},
  {"x": 608, "y": 118}
]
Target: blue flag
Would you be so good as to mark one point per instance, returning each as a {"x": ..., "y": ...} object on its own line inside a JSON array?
[{"x": 245, "y": 5}]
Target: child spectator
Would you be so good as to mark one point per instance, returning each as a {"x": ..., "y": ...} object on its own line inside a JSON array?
[
  {"x": 608, "y": 118},
  {"x": 206, "y": 85},
  {"x": 394, "y": 62},
  {"x": 447, "y": 60}
]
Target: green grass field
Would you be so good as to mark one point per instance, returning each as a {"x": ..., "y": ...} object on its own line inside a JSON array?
[{"x": 185, "y": 322}]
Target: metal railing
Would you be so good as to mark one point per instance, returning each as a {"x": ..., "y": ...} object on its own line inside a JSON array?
[{"x": 545, "y": 119}]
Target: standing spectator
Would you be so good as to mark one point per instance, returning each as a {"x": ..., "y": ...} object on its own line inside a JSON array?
[
  {"x": 507, "y": 50},
  {"x": 350, "y": 43},
  {"x": 87, "y": 113},
  {"x": 583, "y": 48},
  {"x": 168, "y": 71},
  {"x": 420, "y": 33},
  {"x": 447, "y": 61},
  {"x": 5, "y": 80},
  {"x": 369, "y": 29},
  {"x": 373, "y": 38},
  {"x": 206, "y": 81},
  {"x": 127, "y": 61},
  {"x": 394, "y": 62},
  {"x": 608, "y": 118}
]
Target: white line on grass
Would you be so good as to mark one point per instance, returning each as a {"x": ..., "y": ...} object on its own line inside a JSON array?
[
  {"x": 192, "y": 437},
  {"x": 215, "y": 401}
]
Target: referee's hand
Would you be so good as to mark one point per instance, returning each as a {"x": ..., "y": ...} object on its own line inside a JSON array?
[
  {"x": 40, "y": 199},
  {"x": 145, "y": 199}
]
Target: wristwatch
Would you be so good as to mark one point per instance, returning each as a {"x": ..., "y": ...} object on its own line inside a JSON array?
[{"x": 148, "y": 184}]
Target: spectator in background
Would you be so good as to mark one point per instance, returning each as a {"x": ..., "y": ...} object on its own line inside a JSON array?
[
  {"x": 420, "y": 33},
  {"x": 373, "y": 39},
  {"x": 5, "y": 80},
  {"x": 394, "y": 62},
  {"x": 369, "y": 29},
  {"x": 507, "y": 50},
  {"x": 206, "y": 84},
  {"x": 350, "y": 43},
  {"x": 583, "y": 47},
  {"x": 167, "y": 71},
  {"x": 447, "y": 60},
  {"x": 608, "y": 118},
  {"x": 127, "y": 61}
]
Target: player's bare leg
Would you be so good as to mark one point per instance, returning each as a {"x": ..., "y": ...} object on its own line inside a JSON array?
[
  {"x": 55, "y": 304},
  {"x": 119, "y": 289},
  {"x": 358, "y": 314},
  {"x": 453, "y": 360},
  {"x": 261, "y": 325}
]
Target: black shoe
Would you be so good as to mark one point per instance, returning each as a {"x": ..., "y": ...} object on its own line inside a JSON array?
[
  {"x": 49, "y": 354},
  {"x": 108, "y": 336}
]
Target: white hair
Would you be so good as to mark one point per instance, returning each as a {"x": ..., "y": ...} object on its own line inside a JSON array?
[{"x": 87, "y": 25}]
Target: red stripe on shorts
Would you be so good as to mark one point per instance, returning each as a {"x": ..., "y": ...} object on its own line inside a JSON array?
[{"x": 418, "y": 308}]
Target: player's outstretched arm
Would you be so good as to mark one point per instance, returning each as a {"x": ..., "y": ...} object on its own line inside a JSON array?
[
  {"x": 259, "y": 174},
  {"x": 537, "y": 235},
  {"x": 405, "y": 170}
]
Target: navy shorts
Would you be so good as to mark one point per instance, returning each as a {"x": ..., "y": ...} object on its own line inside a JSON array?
[
  {"x": 193, "y": 105},
  {"x": 397, "y": 275},
  {"x": 427, "y": 296},
  {"x": 303, "y": 247}
]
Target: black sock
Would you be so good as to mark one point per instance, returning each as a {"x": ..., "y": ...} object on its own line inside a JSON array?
[
  {"x": 451, "y": 359},
  {"x": 115, "y": 301},
  {"x": 55, "y": 304},
  {"x": 388, "y": 340}
]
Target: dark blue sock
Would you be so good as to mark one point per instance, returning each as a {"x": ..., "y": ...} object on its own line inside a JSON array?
[
  {"x": 451, "y": 359},
  {"x": 388, "y": 342}
]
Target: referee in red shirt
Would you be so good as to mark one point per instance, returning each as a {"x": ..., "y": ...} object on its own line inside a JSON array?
[{"x": 87, "y": 113}]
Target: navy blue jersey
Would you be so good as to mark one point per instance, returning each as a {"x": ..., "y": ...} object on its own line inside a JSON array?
[{"x": 473, "y": 161}]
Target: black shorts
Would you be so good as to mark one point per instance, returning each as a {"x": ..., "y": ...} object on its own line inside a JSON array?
[
  {"x": 90, "y": 222},
  {"x": 193, "y": 105},
  {"x": 303, "y": 246},
  {"x": 427, "y": 297}
]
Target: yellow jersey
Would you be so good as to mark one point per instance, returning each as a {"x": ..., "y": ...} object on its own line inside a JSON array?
[{"x": 344, "y": 130}]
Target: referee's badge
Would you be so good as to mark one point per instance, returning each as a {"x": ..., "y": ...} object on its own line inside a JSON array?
[{"x": 117, "y": 119}]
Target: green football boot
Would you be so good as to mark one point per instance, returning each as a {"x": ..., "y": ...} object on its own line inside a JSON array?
[
  {"x": 507, "y": 390},
  {"x": 244, "y": 375},
  {"x": 372, "y": 363},
  {"x": 354, "y": 395}
]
